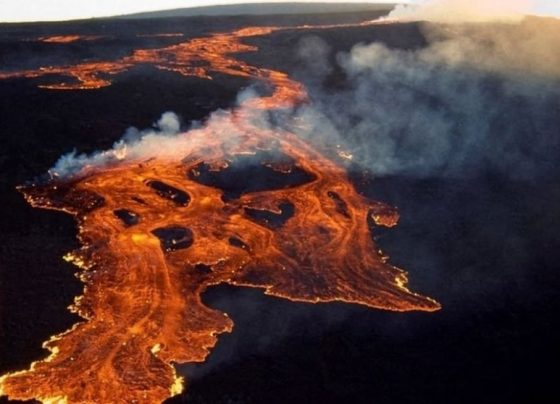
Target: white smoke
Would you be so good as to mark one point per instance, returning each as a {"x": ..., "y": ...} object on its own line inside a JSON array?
[
  {"x": 450, "y": 11},
  {"x": 478, "y": 98},
  {"x": 165, "y": 140},
  {"x": 133, "y": 144}
]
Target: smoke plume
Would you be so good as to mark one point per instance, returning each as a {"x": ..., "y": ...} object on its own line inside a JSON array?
[
  {"x": 165, "y": 140},
  {"x": 463, "y": 11},
  {"x": 478, "y": 98}
]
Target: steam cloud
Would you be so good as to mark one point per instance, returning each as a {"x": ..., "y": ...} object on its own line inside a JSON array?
[
  {"x": 164, "y": 140},
  {"x": 463, "y": 11},
  {"x": 477, "y": 99},
  {"x": 134, "y": 142}
]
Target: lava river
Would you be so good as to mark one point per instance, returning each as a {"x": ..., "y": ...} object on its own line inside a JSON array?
[{"x": 157, "y": 232}]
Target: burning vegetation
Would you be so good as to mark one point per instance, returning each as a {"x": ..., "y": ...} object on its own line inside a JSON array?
[{"x": 256, "y": 207}]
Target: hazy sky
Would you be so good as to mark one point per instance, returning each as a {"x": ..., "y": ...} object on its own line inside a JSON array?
[{"x": 44, "y": 10}]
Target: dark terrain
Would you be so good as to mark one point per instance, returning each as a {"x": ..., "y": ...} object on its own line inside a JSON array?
[
  {"x": 264, "y": 9},
  {"x": 487, "y": 248}
]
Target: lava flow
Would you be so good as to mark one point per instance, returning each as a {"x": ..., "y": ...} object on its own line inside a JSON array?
[
  {"x": 231, "y": 203},
  {"x": 67, "y": 38},
  {"x": 199, "y": 57}
]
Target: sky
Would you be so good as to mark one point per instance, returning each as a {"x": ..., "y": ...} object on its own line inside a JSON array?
[{"x": 56, "y": 10}]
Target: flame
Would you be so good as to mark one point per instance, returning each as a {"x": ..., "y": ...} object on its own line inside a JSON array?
[{"x": 155, "y": 235}]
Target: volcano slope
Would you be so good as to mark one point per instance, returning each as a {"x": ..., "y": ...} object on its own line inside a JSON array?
[{"x": 305, "y": 355}]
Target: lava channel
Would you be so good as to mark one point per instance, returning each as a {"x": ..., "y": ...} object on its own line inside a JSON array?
[{"x": 259, "y": 208}]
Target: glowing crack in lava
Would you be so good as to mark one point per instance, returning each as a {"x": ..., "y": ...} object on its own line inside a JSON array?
[{"x": 157, "y": 232}]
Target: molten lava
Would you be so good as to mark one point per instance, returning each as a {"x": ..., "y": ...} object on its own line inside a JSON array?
[
  {"x": 156, "y": 233},
  {"x": 200, "y": 57},
  {"x": 68, "y": 38}
]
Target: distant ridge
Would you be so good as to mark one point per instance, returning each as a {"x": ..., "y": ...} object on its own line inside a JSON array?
[{"x": 262, "y": 9}]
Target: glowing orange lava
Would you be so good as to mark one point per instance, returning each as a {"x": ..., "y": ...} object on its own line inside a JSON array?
[
  {"x": 68, "y": 38},
  {"x": 157, "y": 233}
]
